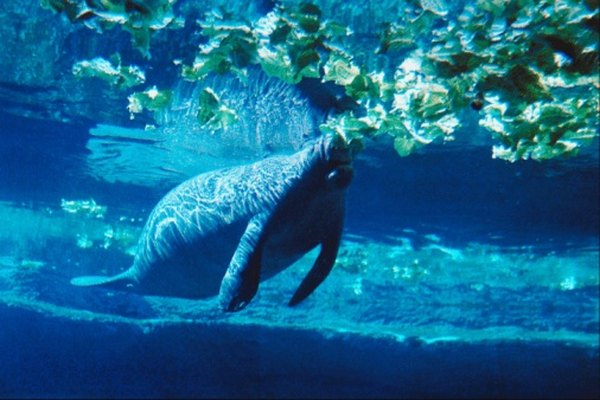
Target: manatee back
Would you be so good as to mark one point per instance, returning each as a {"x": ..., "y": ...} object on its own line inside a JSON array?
[
  {"x": 190, "y": 236},
  {"x": 193, "y": 231}
]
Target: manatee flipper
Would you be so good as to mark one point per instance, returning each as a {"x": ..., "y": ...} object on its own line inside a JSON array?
[
  {"x": 100, "y": 280},
  {"x": 240, "y": 283},
  {"x": 321, "y": 268}
]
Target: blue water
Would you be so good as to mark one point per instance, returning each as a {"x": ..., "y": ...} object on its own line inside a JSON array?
[{"x": 459, "y": 275}]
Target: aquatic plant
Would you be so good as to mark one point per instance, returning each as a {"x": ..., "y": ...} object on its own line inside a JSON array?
[
  {"x": 511, "y": 61},
  {"x": 138, "y": 17},
  {"x": 520, "y": 57},
  {"x": 212, "y": 112},
  {"x": 150, "y": 99},
  {"x": 527, "y": 70},
  {"x": 111, "y": 71}
]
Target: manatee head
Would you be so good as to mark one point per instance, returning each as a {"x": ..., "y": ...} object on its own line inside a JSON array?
[{"x": 334, "y": 156}]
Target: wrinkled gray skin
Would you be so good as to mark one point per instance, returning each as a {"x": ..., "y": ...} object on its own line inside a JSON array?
[{"x": 231, "y": 228}]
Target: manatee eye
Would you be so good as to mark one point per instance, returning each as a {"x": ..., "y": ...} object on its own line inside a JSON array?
[{"x": 340, "y": 176}]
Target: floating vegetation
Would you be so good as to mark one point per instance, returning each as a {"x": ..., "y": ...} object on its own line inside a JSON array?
[
  {"x": 542, "y": 130},
  {"x": 212, "y": 111},
  {"x": 150, "y": 99},
  {"x": 525, "y": 53},
  {"x": 138, "y": 17},
  {"x": 437, "y": 7},
  {"x": 83, "y": 207},
  {"x": 488, "y": 59},
  {"x": 293, "y": 39},
  {"x": 111, "y": 71},
  {"x": 231, "y": 47},
  {"x": 287, "y": 43},
  {"x": 508, "y": 61}
]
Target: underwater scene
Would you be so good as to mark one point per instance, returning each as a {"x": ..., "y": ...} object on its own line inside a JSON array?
[{"x": 289, "y": 199}]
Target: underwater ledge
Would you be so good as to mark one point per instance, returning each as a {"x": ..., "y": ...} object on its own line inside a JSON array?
[{"x": 51, "y": 351}]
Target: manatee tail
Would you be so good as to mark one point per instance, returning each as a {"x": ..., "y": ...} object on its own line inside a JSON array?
[{"x": 99, "y": 280}]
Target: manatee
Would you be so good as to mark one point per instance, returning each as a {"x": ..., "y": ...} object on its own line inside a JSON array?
[{"x": 221, "y": 232}]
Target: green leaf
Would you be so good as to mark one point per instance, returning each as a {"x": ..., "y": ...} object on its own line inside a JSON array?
[
  {"x": 340, "y": 69},
  {"x": 151, "y": 99},
  {"x": 208, "y": 106},
  {"x": 111, "y": 71},
  {"x": 213, "y": 113},
  {"x": 528, "y": 83},
  {"x": 395, "y": 37},
  {"x": 404, "y": 146},
  {"x": 280, "y": 34}
]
